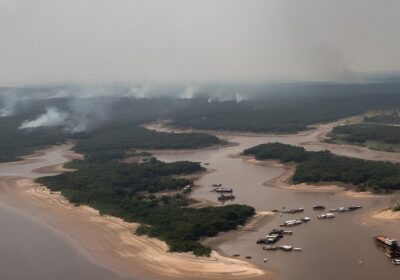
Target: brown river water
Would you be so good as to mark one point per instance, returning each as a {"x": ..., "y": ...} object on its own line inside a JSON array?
[
  {"x": 30, "y": 248},
  {"x": 332, "y": 249},
  {"x": 341, "y": 248}
]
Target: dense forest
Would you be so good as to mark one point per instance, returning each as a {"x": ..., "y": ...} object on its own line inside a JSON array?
[
  {"x": 384, "y": 118},
  {"x": 314, "y": 167},
  {"x": 374, "y": 136},
  {"x": 360, "y": 133},
  {"x": 130, "y": 191},
  {"x": 112, "y": 141},
  {"x": 109, "y": 141},
  {"x": 15, "y": 143},
  {"x": 288, "y": 109}
]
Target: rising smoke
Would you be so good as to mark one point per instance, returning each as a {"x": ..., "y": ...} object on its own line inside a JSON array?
[{"x": 52, "y": 117}]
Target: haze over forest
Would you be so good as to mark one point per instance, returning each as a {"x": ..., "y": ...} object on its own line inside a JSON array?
[{"x": 150, "y": 42}]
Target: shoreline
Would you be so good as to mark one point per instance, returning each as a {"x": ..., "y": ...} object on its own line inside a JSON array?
[{"x": 111, "y": 241}]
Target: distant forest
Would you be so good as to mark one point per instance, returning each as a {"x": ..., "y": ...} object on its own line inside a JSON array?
[
  {"x": 289, "y": 109},
  {"x": 378, "y": 132},
  {"x": 314, "y": 167},
  {"x": 384, "y": 118}
]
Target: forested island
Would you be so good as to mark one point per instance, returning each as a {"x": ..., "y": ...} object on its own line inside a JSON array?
[
  {"x": 315, "y": 167},
  {"x": 108, "y": 141},
  {"x": 384, "y": 118},
  {"x": 372, "y": 135},
  {"x": 148, "y": 193},
  {"x": 131, "y": 192}
]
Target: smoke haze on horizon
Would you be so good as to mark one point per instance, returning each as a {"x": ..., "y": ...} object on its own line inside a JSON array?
[{"x": 88, "y": 41}]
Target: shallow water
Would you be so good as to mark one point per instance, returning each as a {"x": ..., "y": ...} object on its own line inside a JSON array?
[
  {"x": 332, "y": 249},
  {"x": 31, "y": 249}
]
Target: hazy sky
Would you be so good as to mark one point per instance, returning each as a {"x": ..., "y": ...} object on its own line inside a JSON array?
[{"x": 47, "y": 41}]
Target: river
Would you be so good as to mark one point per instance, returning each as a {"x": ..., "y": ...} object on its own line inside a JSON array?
[
  {"x": 332, "y": 249},
  {"x": 342, "y": 248},
  {"x": 29, "y": 247}
]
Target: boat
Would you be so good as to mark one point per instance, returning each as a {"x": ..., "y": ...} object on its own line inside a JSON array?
[
  {"x": 355, "y": 207},
  {"x": 289, "y": 232},
  {"x": 206, "y": 163},
  {"x": 298, "y": 249},
  {"x": 291, "y": 223},
  {"x": 265, "y": 260},
  {"x": 333, "y": 210},
  {"x": 226, "y": 197},
  {"x": 396, "y": 261},
  {"x": 236, "y": 255},
  {"x": 326, "y": 216},
  {"x": 276, "y": 230},
  {"x": 286, "y": 248},
  {"x": 305, "y": 219},
  {"x": 248, "y": 257},
  {"x": 216, "y": 185},
  {"x": 319, "y": 207},
  {"x": 343, "y": 209},
  {"x": 221, "y": 189},
  {"x": 293, "y": 211},
  {"x": 187, "y": 189},
  {"x": 270, "y": 248}
]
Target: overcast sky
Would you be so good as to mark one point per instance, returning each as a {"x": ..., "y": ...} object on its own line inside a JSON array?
[{"x": 56, "y": 41}]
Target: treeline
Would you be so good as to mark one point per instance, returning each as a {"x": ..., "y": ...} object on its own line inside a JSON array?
[
  {"x": 15, "y": 143},
  {"x": 360, "y": 133},
  {"x": 288, "y": 109},
  {"x": 130, "y": 191},
  {"x": 314, "y": 167},
  {"x": 111, "y": 142},
  {"x": 384, "y": 118}
]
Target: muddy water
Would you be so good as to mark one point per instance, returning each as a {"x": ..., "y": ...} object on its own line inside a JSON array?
[
  {"x": 30, "y": 249},
  {"x": 332, "y": 249}
]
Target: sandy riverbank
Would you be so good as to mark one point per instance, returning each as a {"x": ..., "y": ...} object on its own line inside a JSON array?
[
  {"x": 111, "y": 242},
  {"x": 387, "y": 215}
]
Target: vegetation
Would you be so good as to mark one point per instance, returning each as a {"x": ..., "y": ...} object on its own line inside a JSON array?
[
  {"x": 375, "y": 136},
  {"x": 129, "y": 191},
  {"x": 385, "y": 118},
  {"x": 15, "y": 143},
  {"x": 289, "y": 108},
  {"x": 396, "y": 208},
  {"x": 111, "y": 142},
  {"x": 314, "y": 167}
]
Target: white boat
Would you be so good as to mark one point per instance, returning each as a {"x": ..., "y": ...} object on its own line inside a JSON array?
[
  {"x": 396, "y": 261},
  {"x": 297, "y": 249},
  {"x": 286, "y": 248},
  {"x": 306, "y": 219},
  {"x": 326, "y": 216}
]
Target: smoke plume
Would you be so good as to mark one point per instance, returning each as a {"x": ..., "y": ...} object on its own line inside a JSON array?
[{"x": 52, "y": 117}]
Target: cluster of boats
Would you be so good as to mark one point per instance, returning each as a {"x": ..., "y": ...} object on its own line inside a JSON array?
[
  {"x": 224, "y": 193},
  {"x": 390, "y": 247},
  {"x": 274, "y": 236},
  {"x": 296, "y": 222}
]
